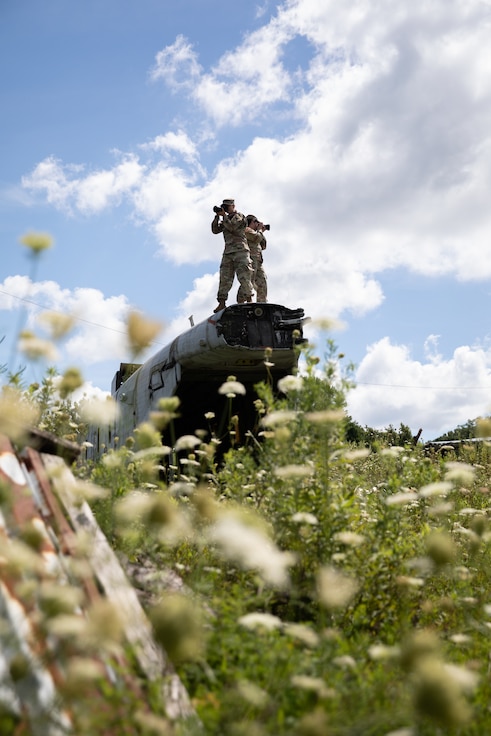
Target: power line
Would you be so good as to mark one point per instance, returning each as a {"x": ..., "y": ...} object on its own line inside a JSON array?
[
  {"x": 430, "y": 388},
  {"x": 77, "y": 319},
  {"x": 358, "y": 383}
]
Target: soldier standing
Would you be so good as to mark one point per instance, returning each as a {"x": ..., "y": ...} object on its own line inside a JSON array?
[
  {"x": 257, "y": 243},
  {"x": 236, "y": 259}
]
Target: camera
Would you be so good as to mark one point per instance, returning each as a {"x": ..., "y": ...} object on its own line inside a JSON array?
[
  {"x": 217, "y": 209},
  {"x": 267, "y": 227}
]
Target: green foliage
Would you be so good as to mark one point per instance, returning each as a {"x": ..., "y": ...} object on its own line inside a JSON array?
[
  {"x": 54, "y": 414},
  {"x": 461, "y": 432},
  {"x": 335, "y": 580},
  {"x": 373, "y": 438}
]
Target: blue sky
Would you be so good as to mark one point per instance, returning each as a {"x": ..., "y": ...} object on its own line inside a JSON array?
[{"x": 360, "y": 131}]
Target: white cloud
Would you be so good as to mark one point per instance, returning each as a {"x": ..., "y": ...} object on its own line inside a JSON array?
[
  {"x": 179, "y": 142},
  {"x": 377, "y": 156},
  {"x": 437, "y": 395},
  {"x": 247, "y": 80},
  {"x": 99, "y": 332},
  {"x": 101, "y": 326},
  {"x": 176, "y": 64},
  {"x": 389, "y": 165},
  {"x": 104, "y": 188},
  {"x": 66, "y": 187},
  {"x": 52, "y": 177},
  {"x": 391, "y": 387}
]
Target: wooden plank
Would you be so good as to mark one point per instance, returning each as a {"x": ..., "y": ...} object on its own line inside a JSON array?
[
  {"x": 59, "y": 523},
  {"x": 116, "y": 586}
]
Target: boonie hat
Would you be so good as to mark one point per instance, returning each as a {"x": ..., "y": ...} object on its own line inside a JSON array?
[{"x": 227, "y": 202}]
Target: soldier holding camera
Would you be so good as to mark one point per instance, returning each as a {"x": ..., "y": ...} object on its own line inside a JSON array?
[
  {"x": 257, "y": 243},
  {"x": 236, "y": 259}
]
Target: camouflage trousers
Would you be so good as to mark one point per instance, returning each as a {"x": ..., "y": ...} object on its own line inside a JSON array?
[
  {"x": 235, "y": 264},
  {"x": 259, "y": 281}
]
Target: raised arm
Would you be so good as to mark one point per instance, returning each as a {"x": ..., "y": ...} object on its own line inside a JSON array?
[{"x": 216, "y": 225}]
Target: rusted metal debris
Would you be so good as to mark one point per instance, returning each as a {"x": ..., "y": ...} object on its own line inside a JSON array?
[{"x": 37, "y": 493}]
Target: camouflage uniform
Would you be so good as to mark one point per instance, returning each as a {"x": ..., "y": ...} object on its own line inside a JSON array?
[
  {"x": 236, "y": 259},
  {"x": 257, "y": 243}
]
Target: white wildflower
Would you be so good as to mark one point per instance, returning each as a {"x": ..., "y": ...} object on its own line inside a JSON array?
[
  {"x": 303, "y": 633},
  {"x": 35, "y": 348},
  {"x": 441, "y": 509},
  {"x": 440, "y": 488},
  {"x": 290, "y": 383},
  {"x": 338, "y": 557},
  {"x": 187, "y": 442},
  {"x": 277, "y": 418},
  {"x": 294, "y": 471},
  {"x": 382, "y": 651},
  {"x": 351, "y": 455},
  {"x": 326, "y": 416},
  {"x": 410, "y": 581},
  {"x": 150, "y": 452},
  {"x": 112, "y": 459},
  {"x": 67, "y": 626},
  {"x": 460, "y": 638},
  {"x": 335, "y": 589},
  {"x": 232, "y": 388},
  {"x": 253, "y": 694},
  {"x": 465, "y": 679},
  {"x": 462, "y": 472},
  {"x": 465, "y": 532},
  {"x": 82, "y": 490},
  {"x": 58, "y": 324},
  {"x": 16, "y": 413},
  {"x": 83, "y": 670},
  {"x": 141, "y": 331},
  {"x": 252, "y": 549},
  {"x": 463, "y": 573},
  {"x": 393, "y": 451},
  {"x": 316, "y": 684},
  {"x": 328, "y": 323},
  {"x": 37, "y": 241},
  {"x": 99, "y": 411},
  {"x": 304, "y": 517},
  {"x": 401, "y": 499},
  {"x": 181, "y": 489},
  {"x": 18, "y": 556},
  {"x": 350, "y": 539},
  {"x": 260, "y": 621},
  {"x": 345, "y": 660}
]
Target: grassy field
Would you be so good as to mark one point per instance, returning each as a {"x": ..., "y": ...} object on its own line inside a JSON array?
[
  {"x": 325, "y": 588},
  {"x": 329, "y": 588}
]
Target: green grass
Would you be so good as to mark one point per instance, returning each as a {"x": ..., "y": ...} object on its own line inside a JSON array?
[
  {"x": 331, "y": 589},
  {"x": 356, "y": 557}
]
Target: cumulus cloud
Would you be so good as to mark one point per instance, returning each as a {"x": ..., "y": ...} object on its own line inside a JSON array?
[
  {"x": 248, "y": 80},
  {"x": 437, "y": 395},
  {"x": 99, "y": 323},
  {"x": 368, "y": 151},
  {"x": 387, "y": 162},
  {"x": 176, "y": 64},
  {"x": 67, "y": 188},
  {"x": 170, "y": 142}
]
